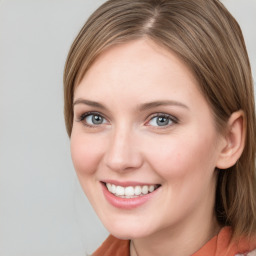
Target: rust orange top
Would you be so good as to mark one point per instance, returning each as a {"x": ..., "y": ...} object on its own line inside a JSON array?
[{"x": 220, "y": 245}]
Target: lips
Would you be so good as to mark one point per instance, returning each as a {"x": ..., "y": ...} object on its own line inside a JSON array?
[
  {"x": 130, "y": 191},
  {"x": 129, "y": 195}
]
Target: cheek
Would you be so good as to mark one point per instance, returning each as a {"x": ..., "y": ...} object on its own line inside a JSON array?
[
  {"x": 86, "y": 154},
  {"x": 183, "y": 156}
]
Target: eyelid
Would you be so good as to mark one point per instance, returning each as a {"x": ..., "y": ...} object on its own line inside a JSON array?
[
  {"x": 174, "y": 119},
  {"x": 82, "y": 117},
  {"x": 85, "y": 114}
]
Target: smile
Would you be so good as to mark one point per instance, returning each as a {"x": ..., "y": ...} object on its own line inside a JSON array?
[
  {"x": 128, "y": 196},
  {"x": 130, "y": 191}
]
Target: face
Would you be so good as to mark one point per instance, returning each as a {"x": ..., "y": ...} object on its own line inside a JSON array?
[{"x": 144, "y": 143}]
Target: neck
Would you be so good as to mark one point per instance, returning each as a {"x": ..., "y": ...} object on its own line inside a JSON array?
[{"x": 174, "y": 242}]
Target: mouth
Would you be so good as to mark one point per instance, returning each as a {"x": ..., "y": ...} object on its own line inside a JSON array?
[{"x": 130, "y": 191}]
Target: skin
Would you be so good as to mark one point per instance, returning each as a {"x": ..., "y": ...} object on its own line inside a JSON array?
[{"x": 129, "y": 146}]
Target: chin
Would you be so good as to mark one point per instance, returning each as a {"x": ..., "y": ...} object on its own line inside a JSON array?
[
  {"x": 127, "y": 235},
  {"x": 128, "y": 231}
]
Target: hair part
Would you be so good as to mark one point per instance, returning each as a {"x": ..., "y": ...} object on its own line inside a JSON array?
[{"x": 210, "y": 42}]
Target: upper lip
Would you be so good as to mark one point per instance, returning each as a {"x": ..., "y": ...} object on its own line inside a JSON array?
[{"x": 128, "y": 183}]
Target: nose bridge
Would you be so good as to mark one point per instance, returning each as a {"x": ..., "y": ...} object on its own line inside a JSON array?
[{"x": 123, "y": 153}]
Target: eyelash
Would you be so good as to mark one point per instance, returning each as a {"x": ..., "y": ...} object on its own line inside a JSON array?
[
  {"x": 85, "y": 115},
  {"x": 174, "y": 120},
  {"x": 171, "y": 118}
]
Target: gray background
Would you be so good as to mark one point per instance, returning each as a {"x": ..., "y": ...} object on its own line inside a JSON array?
[{"x": 42, "y": 208}]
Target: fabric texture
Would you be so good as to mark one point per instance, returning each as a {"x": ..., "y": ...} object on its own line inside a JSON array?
[{"x": 220, "y": 245}]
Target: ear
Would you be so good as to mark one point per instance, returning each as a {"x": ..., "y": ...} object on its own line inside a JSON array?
[{"x": 234, "y": 140}]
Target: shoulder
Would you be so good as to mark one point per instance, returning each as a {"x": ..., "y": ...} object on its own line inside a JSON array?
[
  {"x": 223, "y": 244},
  {"x": 113, "y": 246},
  {"x": 243, "y": 246}
]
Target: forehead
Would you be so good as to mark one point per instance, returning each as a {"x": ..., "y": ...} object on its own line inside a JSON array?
[{"x": 141, "y": 64}]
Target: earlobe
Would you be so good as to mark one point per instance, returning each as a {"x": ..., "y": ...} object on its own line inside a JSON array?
[{"x": 234, "y": 141}]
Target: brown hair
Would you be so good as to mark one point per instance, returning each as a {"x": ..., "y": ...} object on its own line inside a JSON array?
[{"x": 209, "y": 40}]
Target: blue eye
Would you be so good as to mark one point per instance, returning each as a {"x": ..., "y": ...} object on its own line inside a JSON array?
[
  {"x": 92, "y": 119},
  {"x": 161, "y": 120}
]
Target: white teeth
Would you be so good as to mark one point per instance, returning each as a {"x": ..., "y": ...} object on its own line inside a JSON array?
[
  {"x": 119, "y": 191},
  {"x": 151, "y": 188},
  {"x": 130, "y": 192},
  {"x": 144, "y": 190},
  {"x": 137, "y": 190},
  {"x": 109, "y": 186},
  {"x": 113, "y": 189}
]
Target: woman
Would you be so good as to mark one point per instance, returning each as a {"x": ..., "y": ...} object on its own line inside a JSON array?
[{"x": 160, "y": 111}]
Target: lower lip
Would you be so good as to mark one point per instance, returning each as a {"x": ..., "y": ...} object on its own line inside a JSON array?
[{"x": 127, "y": 203}]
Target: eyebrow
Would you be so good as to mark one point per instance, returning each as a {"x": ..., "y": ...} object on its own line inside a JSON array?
[
  {"x": 143, "y": 107},
  {"x": 154, "y": 104},
  {"x": 89, "y": 103}
]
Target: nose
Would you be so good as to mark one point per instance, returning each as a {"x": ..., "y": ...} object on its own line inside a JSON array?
[{"x": 123, "y": 151}]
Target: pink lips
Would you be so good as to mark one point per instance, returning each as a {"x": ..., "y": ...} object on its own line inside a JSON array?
[{"x": 127, "y": 203}]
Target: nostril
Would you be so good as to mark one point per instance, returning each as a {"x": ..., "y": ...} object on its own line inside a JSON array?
[
  {"x": 125, "y": 162},
  {"x": 122, "y": 153}
]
